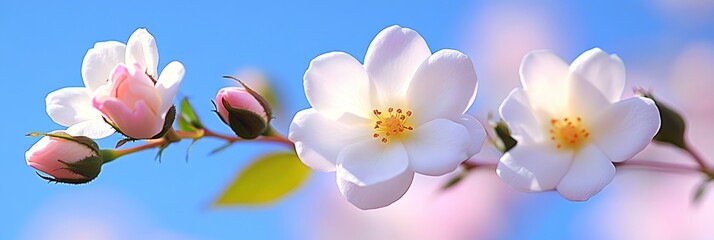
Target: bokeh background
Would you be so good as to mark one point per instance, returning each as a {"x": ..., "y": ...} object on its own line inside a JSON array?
[{"x": 667, "y": 46}]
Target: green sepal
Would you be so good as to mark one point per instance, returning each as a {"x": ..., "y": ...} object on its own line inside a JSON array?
[
  {"x": 221, "y": 148},
  {"x": 168, "y": 122},
  {"x": 88, "y": 168},
  {"x": 453, "y": 182},
  {"x": 244, "y": 123},
  {"x": 78, "y": 139},
  {"x": 701, "y": 190},
  {"x": 673, "y": 126},
  {"x": 504, "y": 134},
  {"x": 264, "y": 103}
]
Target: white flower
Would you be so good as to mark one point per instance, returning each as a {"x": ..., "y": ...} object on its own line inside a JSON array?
[
  {"x": 72, "y": 106},
  {"x": 377, "y": 124},
  {"x": 571, "y": 125}
]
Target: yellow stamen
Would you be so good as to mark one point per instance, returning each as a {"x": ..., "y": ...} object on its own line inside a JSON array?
[
  {"x": 391, "y": 126},
  {"x": 567, "y": 133}
]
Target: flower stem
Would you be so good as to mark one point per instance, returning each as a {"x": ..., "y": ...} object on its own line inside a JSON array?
[
  {"x": 109, "y": 155},
  {"x": 630, "y": 164},
  {"x": 173, "y": 136},
  {"x": 699, "y": 160},
  {"x": 273, "y": 136}
]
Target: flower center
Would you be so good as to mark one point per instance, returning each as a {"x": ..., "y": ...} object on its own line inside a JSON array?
[
  {"x": 568, "y": 132},
  {"x": 391, "y": 124}
]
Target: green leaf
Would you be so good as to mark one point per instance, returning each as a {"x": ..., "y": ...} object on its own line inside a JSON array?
[
  {"x": 266, "y": 180},
  {"x": 188, "y": 120}
]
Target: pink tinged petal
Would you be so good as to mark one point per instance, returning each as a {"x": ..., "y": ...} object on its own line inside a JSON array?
[
  {"x": 626, "y": 128},
  {"x": 135, "y": 86},
  {"x": 517, "y": 112},
  {"x": 476, "y": 132},
  {"x": 605, "y": 72},
  {"x": 237, "y": 97},
  {"x": 544, "y": 77},
  {"x": 392, "y": 59},
  {"x": 44, "y": 156},
  {"x": 589, "y": 173},
  {"x": 437, "y": 147},
  {"x": 140, "y": 123},
  {"x": 533, "y": 167},
  {"x": 444, "y": 86},
  {"x": 318, "y": 139},
  {"x": 99, "y": 62},
  {"x": 141, "y": 48},
  {"x": 370, "y": 162},
  {"x": 168, "y": 85},
  {"x": 336, "y": 83},
  {"x": 95, "y": 128},
  {"x": 378, "y": 195},
  {"x": 69, "y": 106}
]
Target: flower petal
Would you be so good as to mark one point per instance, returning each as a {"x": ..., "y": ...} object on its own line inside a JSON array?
[
  {"x": 318, "y": 139},
  {"x": 544, "y": 77},
  {"x": 99, "y": 62},
  {"x": 517, "y": 112},
  {"x": 444, "y": 86},
  {"x": 476, "y": 132},
  {"x": 589, "y": 173},
  {"x": 605, "y": 72},
  {"x": 371, "y": 161},
  {"x": 336, "y": 83},
  {"x": 533, "y": 167},
  {"x": 95, "y": 128},
  {"x": 437, "y": 147},
  {"x": 141, "y": 48},
  {"x": 392, "y": 59},
  {"x": 626, "y": 128},
  {"x": 69, "y": 106},
  {"x": 141, "y": 123},
  {"x": 378, "y": 195},
  {"x": 585, "y": 99},
  {"x": 168, "y": 84}
]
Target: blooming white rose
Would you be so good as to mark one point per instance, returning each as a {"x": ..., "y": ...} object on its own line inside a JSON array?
[
  {"x": 72, "y": 106},
  {"x": 377, "y": 124},
  {"x": 571, "y": 125}
]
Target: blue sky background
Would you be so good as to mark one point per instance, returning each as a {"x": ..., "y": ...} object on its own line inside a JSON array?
[{"x": 42, "y": 45}]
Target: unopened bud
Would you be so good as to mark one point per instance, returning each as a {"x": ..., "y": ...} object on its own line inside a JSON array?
[
  {"x": 65, "y": 158},
  {"x": 242, "y": 111}
]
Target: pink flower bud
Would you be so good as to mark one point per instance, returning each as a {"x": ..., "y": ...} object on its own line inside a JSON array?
[
  {"x": 64, "y": 159},
  {"x": 132, "y": 103},
  {"x": 239, "y": 98}
]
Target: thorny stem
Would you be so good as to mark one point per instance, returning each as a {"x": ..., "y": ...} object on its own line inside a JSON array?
[
  {"x": 176, "y": 136},
  {"x": 149, "y": 145}
]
